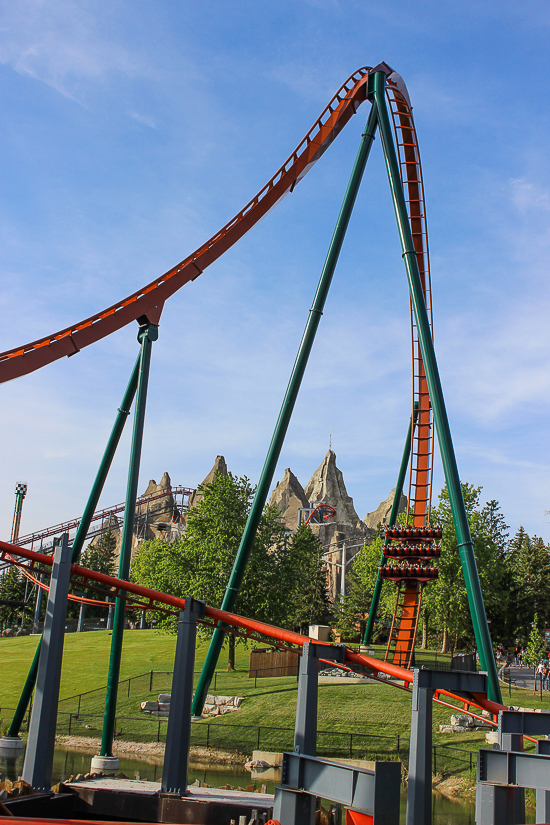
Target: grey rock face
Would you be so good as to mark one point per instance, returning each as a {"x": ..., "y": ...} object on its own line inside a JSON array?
[
  {"x": 219, "y": 467},
  {"x": 327, "y": 484},
  {"x": 382, "y": 512},
  {"x": 289, "y": 496},
  {"x": 154, "y": 517}
]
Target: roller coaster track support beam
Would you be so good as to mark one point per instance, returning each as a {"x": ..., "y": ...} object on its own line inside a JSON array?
[
  {"x": 462, "y": 529},
  {"x": 367, "y": 638},
  {"x": 146, "y": 335},
  {"x": 178, "y": 734},
  {"x": 38, "y": 765},
  {"x": 264, "y": 484},
  {"x": 122, "y": 415}
]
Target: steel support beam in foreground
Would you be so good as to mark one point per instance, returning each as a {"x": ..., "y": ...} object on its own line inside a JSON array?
[
  {"x": 264, "y": 484},
  {"x": 373, "y": 793},
  {"x": 305, "y": 730},
  {"x": 425, "y": 683},
  {"x": 178, "y": 734},
  {"x": 296, "y": 805},
  {"x": 147, "y": 334},
  {"x": 122, "y": 415},
  {"x": 367, "y": 638},
  {"x": 37, "y": 768},
  {"x": 512, "y": 727},
  {"x": 448, "y": 458},
  {"x": 500, "y": 775}
]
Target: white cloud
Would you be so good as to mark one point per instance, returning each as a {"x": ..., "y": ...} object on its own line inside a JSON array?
[
  {"x": 527, "y": 195},
  {"x": 62, "y": 43},
  {"x": 146, "y": 121}
]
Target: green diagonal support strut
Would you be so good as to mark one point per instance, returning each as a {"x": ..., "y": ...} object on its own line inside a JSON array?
[
  {"x": 122, "y": 415},
  {"x": 147, "y": 334},
  {"x": 262, "y": 491},
  {"x": 448, "y": 458},
  {"x": 367, "y": 638}
]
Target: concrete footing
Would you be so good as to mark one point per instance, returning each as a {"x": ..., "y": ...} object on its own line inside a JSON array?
[
  {"x": 107, "y": 765},
  {"x": 11, "y": 746}
]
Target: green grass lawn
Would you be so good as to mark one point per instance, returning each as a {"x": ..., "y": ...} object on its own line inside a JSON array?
[{"x": 370, "y": 711}]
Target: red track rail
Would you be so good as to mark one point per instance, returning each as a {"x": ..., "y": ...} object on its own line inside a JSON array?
[
  {"x": 156, "y": 600},
  {"x": 65, "y": 526},
  {"x": 149, "y": 300},
  {"x": 422, "y": 445}
]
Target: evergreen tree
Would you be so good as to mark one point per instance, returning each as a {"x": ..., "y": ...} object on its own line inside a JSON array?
[
  {"x": 306, "y": 600},
  {"x": 99, "y": 556},
  {"x": 535, "y": 645},
  {"x": 12, "y": 588},
  {"x": 446, "y": 600},
  {"x": 529, "y": 567}
]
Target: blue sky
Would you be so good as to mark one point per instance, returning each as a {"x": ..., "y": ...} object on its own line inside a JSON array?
[{"x": 133, "y": 131}]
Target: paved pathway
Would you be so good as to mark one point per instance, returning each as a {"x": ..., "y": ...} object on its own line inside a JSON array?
[{"x": 522, "y": 677}]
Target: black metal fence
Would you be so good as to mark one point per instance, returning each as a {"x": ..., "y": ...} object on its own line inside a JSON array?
[
  {"x": 448, "y": 760},
  {"x": 244, "y": 739}
]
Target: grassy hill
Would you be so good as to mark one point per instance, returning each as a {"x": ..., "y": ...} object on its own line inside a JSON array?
[{"x": 376, "y": 714}]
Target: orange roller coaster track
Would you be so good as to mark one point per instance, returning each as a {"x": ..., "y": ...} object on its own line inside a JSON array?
[
  {"x": 149, "y": 300},
  {"x": 378, "y": 85}
]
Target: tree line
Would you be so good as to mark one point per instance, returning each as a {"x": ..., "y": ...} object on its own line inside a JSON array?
[{"x": 285, "y": 582}]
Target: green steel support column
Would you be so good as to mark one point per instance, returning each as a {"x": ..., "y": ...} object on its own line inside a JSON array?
[
  {"x": 262, "y": 491},
  {"x": 473, "y": 588},
  {"x": 147, "y": 334},
  {"x": 110, "y": 450},
  {"x": 393, "y": 518}
]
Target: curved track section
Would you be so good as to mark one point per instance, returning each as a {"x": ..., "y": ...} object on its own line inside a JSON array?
[
  {"x": 422, "y": 443},
  {"x": 154, "y": 600},
  {"x": 149, "y": 301}
]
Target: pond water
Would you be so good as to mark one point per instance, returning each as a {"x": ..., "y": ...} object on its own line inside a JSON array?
[{"x": 67, "y": 762}]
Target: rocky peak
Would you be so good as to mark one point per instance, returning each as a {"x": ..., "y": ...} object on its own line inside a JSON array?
[
  {"x": 327, "y": 484},
  {"x": 219, "y": 467},
  {"x": 161, "y": 508},
  {"x": 382, "y": 512},
  {"x": 289, "y": 496}
]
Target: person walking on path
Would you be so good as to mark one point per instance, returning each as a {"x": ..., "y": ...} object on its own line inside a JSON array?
[{"x": 538, "y": 672}]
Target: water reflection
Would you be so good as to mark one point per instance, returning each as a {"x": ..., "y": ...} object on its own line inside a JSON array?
[{"x": 67, "y": 762}]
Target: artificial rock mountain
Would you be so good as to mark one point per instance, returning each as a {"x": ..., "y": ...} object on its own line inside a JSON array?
[
  {"x": 219, "y": 467},
  {"x": 289, "y": 497},
  {"x": 327, "y": 484},
  {"x": 382, "y": 512},
  {"x": 342, "y": 537}
]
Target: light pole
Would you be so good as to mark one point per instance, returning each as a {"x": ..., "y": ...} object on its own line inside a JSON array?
[{"x": 20, "y": 493}]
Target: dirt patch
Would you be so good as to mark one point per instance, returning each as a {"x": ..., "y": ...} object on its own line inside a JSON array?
[
  {"x": 152, "y": 752},
  {"x": 454, "y": 787}
]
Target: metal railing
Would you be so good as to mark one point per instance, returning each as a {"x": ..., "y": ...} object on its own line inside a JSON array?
[{"x": 447, "y": 760}]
